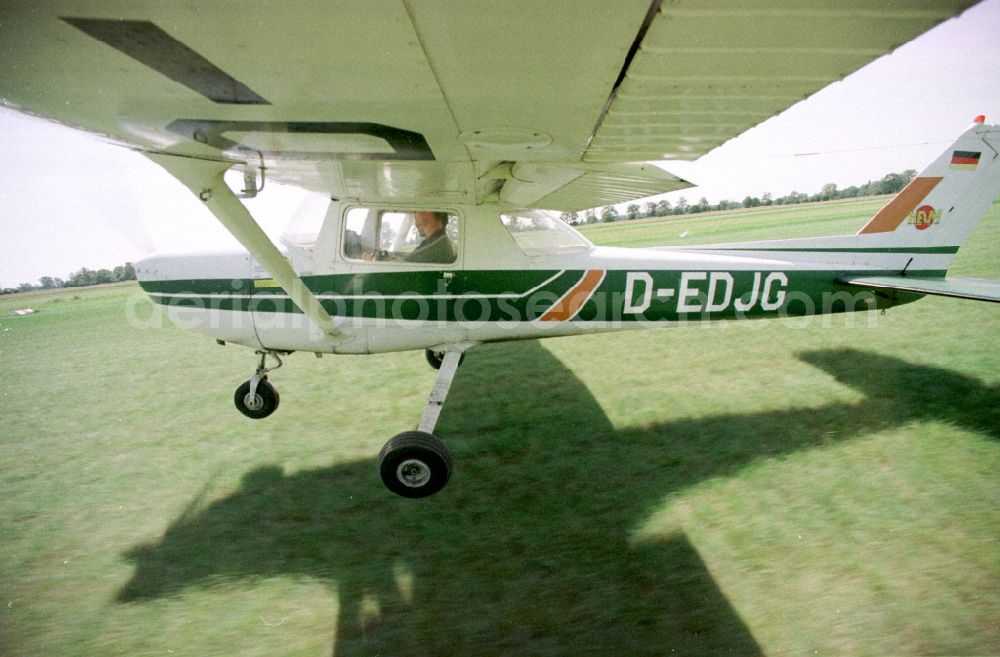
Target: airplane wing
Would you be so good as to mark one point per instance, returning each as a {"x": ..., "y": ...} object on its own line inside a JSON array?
[
  {"x": 962, "y": 288},
  {"x": 550, "y": 104}
]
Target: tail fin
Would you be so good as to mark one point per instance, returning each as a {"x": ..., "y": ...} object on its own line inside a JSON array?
[{"x": 940, "y": 207}]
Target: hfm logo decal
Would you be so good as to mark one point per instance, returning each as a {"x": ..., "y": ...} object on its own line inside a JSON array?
[{"x": 924, "y": 217}]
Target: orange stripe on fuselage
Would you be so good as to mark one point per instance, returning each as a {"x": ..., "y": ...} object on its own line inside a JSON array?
[
  {"x": 895, "y": 211},
  {"x": 573, "y": 300}
]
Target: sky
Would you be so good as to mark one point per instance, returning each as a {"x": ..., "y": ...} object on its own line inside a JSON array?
[{"x": 69, "y": 201}]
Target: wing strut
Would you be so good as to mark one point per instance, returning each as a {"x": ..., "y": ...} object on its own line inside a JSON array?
[{"x": 205, "y": 179}]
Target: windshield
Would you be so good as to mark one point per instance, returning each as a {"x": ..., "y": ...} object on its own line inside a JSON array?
[
  {"x": 305, "y": 225},
  {"x": 543, "y": 233}
]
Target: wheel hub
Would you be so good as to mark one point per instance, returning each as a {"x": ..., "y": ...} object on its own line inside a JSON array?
[
  {"x": 253, "y": 402},
  {"x": 413, "y": 473}
]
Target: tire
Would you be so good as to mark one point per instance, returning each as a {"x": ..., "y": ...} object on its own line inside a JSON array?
[
  {"x": 264, "y": 403},
  {"x": 435, "y": 359},
  {"x": 415, "y": 464}
]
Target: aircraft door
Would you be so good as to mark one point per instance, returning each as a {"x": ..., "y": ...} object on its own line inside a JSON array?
[{"x": 309, "y": 243}]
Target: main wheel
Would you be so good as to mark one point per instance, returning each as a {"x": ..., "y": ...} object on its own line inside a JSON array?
[
  {"x": 435, "y": 358},
  {"x": 415, "y": 464},
  {"x": 261, "y": 404}
]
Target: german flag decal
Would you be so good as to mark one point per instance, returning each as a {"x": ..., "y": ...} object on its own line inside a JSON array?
[{"x": 968, "y": 160}]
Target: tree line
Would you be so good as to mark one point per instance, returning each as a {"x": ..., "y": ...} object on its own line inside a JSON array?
[
  {"x": 82, "y": 278},
  {"x": 891, "y": 183}
]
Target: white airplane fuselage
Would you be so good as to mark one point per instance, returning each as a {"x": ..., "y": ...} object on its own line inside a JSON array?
[{"x": 496, "y": 290}]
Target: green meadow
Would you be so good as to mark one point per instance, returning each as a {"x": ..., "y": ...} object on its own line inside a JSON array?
[{"x": 790, "y": 487}]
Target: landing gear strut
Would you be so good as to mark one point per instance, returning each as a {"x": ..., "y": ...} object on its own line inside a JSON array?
[
  {"x": 418, "y": 463},
  {"x": 435, "y": 357},
  {"x": 257, "y": 398}
]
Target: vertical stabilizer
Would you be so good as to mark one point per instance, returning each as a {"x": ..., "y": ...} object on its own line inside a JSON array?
[{"x": 940, "y": 207}]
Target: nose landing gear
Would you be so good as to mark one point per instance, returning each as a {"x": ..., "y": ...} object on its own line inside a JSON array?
[{"x": 257, "y": 398}]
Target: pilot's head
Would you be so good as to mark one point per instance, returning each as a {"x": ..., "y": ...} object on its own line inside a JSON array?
[{"x": 429, "y": 223}]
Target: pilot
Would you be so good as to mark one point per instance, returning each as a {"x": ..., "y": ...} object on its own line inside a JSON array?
[{"x": 436, "y": 246}]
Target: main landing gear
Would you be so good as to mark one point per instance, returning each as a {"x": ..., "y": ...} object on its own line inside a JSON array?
[
  {"x": 257, "y": 398},
  {"x": 412, "y": 464},
  {"x": 418, "y": 463}
]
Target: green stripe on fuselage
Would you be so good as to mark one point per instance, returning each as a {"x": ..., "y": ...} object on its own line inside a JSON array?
[
  {"x": 516, "y": 296},
  {"x": 883, "y": 249}
]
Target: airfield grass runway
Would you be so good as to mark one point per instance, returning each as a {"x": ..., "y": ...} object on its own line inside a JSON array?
[{"x": 785, "y": 487}]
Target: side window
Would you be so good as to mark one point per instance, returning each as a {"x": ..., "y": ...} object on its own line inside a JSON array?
[
  {"x": 538, "y": 233},
  {"x": 416, "y": 236}
]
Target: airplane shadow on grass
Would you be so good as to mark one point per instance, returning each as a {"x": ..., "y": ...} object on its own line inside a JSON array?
[{"x": 527, "y": 551}]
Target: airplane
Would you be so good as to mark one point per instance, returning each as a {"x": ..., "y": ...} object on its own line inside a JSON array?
[{"x": 441, "y": 138}]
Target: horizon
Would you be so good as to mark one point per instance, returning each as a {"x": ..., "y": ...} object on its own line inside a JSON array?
[{"x": 621, "y": 217}]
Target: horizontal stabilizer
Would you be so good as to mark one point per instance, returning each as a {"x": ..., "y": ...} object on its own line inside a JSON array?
[{"x": 979, "y": 289}]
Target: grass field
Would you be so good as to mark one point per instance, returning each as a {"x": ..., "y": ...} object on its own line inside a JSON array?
[
  {"x": 763, "y": 488},
  {"x": 763, "y": 223}
]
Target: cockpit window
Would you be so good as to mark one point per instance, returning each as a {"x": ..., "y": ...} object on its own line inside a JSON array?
[
  {"x": 304, "y": 228},
  {"x": 543, "y": 233},
  {"x": 413, "y": 236}
]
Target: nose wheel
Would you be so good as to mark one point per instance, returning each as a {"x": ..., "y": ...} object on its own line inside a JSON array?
[
  {"x": 257, "y": 398},
  {"x": 256, "y": 403}
]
